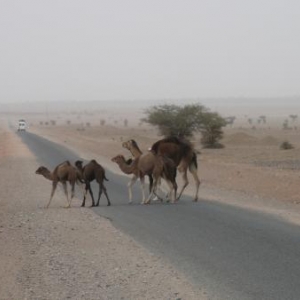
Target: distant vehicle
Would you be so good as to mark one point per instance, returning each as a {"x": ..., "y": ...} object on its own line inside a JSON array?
[{"x": 22, "y": 125}]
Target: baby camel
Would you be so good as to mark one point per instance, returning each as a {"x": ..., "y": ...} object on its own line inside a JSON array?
[
  {"x": 90, "y": 172},
  {"x": 136, "y": 152},
  {"x": 158, "y": 166},
  {"x": 63, "y": 173}
]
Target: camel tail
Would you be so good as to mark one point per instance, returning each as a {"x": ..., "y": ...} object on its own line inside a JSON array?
[
  {"x": 194, "y": 163},
  {"x": 105, "y": 178}
]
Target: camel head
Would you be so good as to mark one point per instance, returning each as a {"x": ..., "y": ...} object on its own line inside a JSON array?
[
  {"x": 41, "y": 170},
  {"x": 117, "y": 159},
  {"x": 130, "y": 144},
  {"x": 78, "y": 164}
]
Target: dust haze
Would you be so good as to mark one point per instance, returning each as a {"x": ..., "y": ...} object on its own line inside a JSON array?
[{"x": 149, "y": 50}]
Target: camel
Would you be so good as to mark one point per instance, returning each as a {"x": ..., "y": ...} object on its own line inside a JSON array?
[
  {"x": 63, "y": 173},
  {"x": 158, "y": 166},
  {"x": 184, "y": 157},
  {"x": 89, "y": 172},
  {"x": 133, "y": 147}
]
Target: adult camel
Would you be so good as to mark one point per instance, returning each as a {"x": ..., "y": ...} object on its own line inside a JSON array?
[
  {"x": 184, "y": 156},
  {"x": 63, "y": 173},
  {"x": 158, "y": 166},
  {"x": 93, "y": 171}
]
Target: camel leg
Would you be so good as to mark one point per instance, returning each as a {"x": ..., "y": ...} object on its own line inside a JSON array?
[
  {"x": 185, "y": 183},
  {"x": 103, "y": 188},
  {"x": 130, "y": 184},
  {"x": 153, "y": 192},
  {"x": 66, "y": 193},
  {"x": 84, "y": 195},
  {"x": 72, "y": 192},
  {"x": 156, "y": 196},
  {"x": 92, "y": 195},
  {"x": 173, "y": 188},
  {"x": 54, "y": 185},
  {"x": 197, "y": 182},
  {"x": 82, "y": 186},
  {"x": 150, "y": 183},
  {"x": 142, "y": 180}
]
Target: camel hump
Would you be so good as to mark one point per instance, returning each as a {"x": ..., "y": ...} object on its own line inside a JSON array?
[
  {"x": 93, "y": 161},
  {"x": 65, "y": 163},
  {"x": 173, "y": 140}
]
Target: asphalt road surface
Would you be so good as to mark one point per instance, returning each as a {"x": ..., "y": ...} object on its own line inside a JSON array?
[{"x": 230, "y": 252}]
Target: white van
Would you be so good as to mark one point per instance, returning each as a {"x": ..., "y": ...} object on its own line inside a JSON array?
[{"x": 22, "y": 125}]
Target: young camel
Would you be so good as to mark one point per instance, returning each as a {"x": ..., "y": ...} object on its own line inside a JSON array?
[
  {"x": 183, "y": 155},
  {"x": 89, "y": 172},
  {"x": 147, "y": 164},
  {"x": 136, "y": 152},
  {"x": 63, "y": 173}
]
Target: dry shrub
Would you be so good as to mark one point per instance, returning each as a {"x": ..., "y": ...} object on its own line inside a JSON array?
[{"x": 286, "y": 146}]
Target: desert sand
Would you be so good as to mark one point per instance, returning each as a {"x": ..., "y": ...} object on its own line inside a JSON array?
[{"x": 39, "y": 246}]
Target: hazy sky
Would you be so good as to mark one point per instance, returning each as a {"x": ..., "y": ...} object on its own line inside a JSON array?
[{"x": 148, "y": 49}]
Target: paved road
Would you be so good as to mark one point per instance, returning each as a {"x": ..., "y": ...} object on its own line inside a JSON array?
[{"x": 232, "y": 253}]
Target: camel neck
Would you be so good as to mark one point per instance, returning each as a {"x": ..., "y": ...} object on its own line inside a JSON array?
[
  {"x": 136, "y": 152},
  {"x": 127, "y": 169},
  {"x": 48, "y": 175}
]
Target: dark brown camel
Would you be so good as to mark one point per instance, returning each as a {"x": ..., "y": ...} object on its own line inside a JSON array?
[
  {"x": 147, "y": 164},
  {"x": 89, "y": 172},
  {"x": 63, "y": 173},
  {"x": 183, "y": 155}
]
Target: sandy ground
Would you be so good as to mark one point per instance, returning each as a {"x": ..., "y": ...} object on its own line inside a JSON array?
[
  {"x": 251, "y": 171},
  {"x": 39, "y": 246},
  {"x": 60, "y": 253}
]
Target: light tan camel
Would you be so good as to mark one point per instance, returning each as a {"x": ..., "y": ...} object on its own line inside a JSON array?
[
  {"x": 89, "y": 172},
  {"x": 63, "y": 173},
  {"x": 133, "y": 147},
  {"x": 183, "y": 155},
  {"x": 149, "y": 164},
  {"x": 136, "y": 152}
]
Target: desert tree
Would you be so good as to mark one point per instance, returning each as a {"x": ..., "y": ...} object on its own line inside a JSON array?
[
  {"x": 211, "y": 130},
  {"x": 174, "y": 120}
]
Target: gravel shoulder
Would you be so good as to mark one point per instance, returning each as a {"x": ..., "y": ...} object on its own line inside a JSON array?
[{"x": 60, "y": 253}]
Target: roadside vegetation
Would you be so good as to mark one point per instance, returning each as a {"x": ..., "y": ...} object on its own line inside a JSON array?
[{"x": 184, "y": 121}]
